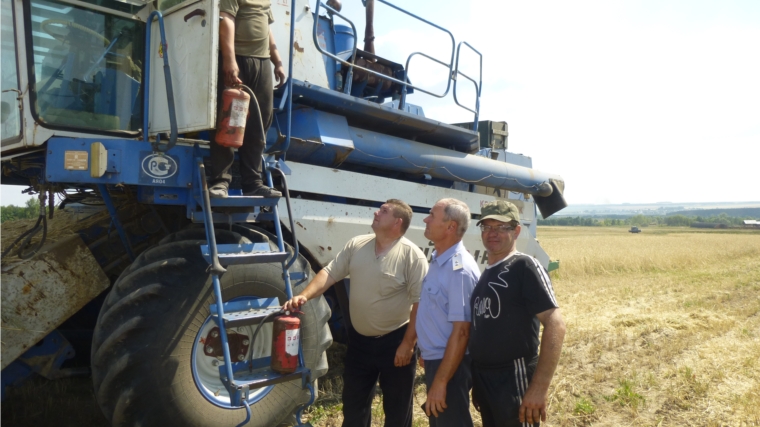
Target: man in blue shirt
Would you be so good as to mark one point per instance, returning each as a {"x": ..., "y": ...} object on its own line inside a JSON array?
[{"x": 443, "y": 316}]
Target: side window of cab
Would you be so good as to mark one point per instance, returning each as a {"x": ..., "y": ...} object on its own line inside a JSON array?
[{"x": 11, "y": 103}]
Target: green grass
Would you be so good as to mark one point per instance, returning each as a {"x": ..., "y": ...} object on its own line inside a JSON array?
[
  {"x": 626, "y": 395},
  {"x": 584, "y": 407}
]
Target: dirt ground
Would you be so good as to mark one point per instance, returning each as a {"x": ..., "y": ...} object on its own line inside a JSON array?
[{"x": 663, "y": 329}]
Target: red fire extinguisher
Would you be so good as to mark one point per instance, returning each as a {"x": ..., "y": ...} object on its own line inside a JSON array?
[
  {"x": 231, "y": 124},
  {"x": 285, "y": 342}
]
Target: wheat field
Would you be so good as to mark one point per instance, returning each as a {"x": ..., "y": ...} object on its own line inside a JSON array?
[{"x": 663, "y": 329}]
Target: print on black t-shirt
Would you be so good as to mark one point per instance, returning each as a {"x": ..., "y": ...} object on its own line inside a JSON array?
[{"x": 504, "y": 306}]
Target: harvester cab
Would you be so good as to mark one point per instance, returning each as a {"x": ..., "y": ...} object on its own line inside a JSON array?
[{"x": 109, "y": 102}]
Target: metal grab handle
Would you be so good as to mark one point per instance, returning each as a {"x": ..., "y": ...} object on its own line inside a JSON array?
[
  {"x": 169, "y": 90},
  {"x": 196, "y": 12}
]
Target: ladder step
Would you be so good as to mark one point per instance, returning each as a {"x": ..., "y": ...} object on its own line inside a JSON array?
[
  {"x": 240, "y": 201},
  {"x": 252, "y": 316},
  {"x": 265, "y": 377},
  {"x": 246, "y": 253}
]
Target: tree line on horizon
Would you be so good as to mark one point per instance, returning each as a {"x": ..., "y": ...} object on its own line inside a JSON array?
[
  {"x": 12, "y": 212},
  {"x": 642, "y": 220}
]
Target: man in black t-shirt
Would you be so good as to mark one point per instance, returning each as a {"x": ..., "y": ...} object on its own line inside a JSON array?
[{"x": 514, "y": 294}]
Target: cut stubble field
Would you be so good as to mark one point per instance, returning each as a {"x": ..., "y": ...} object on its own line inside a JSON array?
[{"x": 663, "y": 329}]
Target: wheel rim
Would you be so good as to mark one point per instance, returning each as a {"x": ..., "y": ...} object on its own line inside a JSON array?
[{"x": 206, "y": 368}]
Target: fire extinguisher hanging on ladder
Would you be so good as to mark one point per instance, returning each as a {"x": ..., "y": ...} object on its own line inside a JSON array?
[{"x": 286, "y": 335}]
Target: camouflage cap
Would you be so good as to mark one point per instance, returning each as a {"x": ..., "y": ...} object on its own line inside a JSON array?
[{"x": 499, "y": 210}]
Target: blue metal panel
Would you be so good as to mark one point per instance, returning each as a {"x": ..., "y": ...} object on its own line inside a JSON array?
[
  {"x": 130, "y": 162},
  {"x": 44, "y": 359},
  {"x": 319, "y": 138},
  {"x": 164, "y": 195},
  {"x": 372, "y": 116}
]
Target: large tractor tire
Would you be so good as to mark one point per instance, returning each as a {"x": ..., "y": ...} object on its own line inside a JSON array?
[{"x": 148, "y": 364}]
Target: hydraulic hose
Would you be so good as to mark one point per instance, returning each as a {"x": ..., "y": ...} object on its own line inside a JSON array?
[
  {"x": 255, "y": 101},
  {"x": 290, "y": 217},
  {"x": 256, "y": 332},
  {"x": 40, "y": 225}
]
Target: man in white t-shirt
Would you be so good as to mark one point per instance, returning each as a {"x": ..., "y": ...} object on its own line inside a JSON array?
[{"x": 386, "y": 272}]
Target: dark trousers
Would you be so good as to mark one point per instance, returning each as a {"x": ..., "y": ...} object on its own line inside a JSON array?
[
  {"x": 499, "y": 392},
  {"x": 457, "y": 412},
  {"x": 256, "y": 73},
  {"x": 367, "y": 360}
]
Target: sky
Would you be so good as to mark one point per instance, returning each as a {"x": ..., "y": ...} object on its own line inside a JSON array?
[{"x": 629, "y": 101}]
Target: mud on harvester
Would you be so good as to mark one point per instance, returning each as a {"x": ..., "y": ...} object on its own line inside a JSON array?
[{"x": 107, "y": 104}]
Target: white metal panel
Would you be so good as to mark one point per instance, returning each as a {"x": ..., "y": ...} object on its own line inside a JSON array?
[
  {"x": 325, "y": 227},
  {"x": 314, "y": 179},
  {"x": 38, "y": 294},
  {"x": 193, "y": 52},
  {"x": 308, "y": 64}
]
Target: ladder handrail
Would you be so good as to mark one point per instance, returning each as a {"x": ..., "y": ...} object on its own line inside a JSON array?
[
  {"x": 478, "y": 84},
  {"x": 351, "y": 65},
  {"x": 289, "y": 84},
  {"x": 169, "y": 89},
  {"x": 453, "y": 66}
]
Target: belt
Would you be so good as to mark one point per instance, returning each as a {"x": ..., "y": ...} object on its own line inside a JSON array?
[{"x": 385, "y": 334}]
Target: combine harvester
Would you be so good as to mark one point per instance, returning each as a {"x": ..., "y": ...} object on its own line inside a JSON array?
[{"x": 175, "y": 297}]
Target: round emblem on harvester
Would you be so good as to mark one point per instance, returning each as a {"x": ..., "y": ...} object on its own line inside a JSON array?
[{"x": 159, "y": 166}]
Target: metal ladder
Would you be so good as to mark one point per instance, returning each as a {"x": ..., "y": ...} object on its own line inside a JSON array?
[
  {"x": 247, "y": 313},
  {"x": 238, "y": 382}
]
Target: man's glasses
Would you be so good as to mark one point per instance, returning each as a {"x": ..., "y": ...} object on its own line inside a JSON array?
[{"x": 501, "y": 228}]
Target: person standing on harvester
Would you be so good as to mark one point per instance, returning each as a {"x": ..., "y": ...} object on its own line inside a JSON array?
[
  {"x": 386, "y": 272},
  {"x": 246, "y": 48},
  {"x": 443, "y": 319},
  {"x": 510, "y": 378}
]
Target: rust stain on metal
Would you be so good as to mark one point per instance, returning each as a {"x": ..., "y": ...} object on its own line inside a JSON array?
[
  {"x": 300, "y": 225},
  {"x": 329, "y": 248},
  {"x": 40, "y": 293},
  {"x": 298, "y": 48},
  {"x": 340, "y": 156}
]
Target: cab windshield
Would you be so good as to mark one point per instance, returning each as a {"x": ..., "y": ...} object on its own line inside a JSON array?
[{"x": 87, "y": 66}]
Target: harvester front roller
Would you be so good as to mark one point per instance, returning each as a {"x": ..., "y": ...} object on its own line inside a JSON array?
[{"x": 151, "y": 363}]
